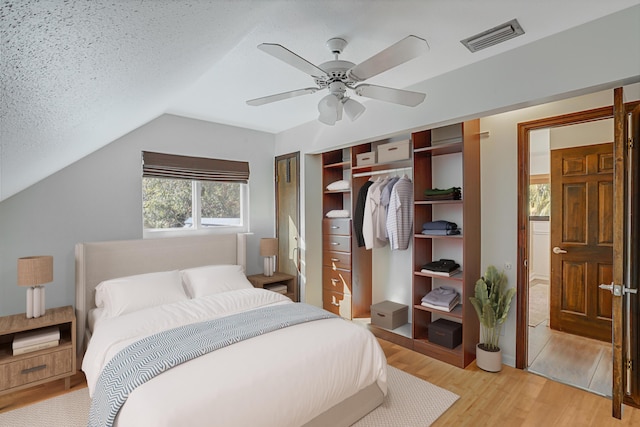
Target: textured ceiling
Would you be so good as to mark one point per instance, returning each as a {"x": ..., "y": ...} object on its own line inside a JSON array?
[{"x": 77, "y": 74}]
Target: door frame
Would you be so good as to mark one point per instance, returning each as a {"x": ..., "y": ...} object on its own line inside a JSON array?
[
  {"x": 296, "y": 156},
  {"x": 522, "y": 295}
]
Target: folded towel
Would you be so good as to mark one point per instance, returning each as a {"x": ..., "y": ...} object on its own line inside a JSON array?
[
  {"x": 339, "y": 185},
  {"x": 439, "y": 225},
  {"x": 446, "y": 308},
  {"x": 441, "y": 232},
  {"x": 439, "y": 192},
  {"x": 454, "y": 196},
  {"x": 441, "y": 273},
  {"x": 441, "y": 297},
  {"x": 338, "y": 213},
  {"x": 442, "y": 265}
]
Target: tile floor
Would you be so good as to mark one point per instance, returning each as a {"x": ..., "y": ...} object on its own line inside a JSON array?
[{"x": 581, "y": 362}]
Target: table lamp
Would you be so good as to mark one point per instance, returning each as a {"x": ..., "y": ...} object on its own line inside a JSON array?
[
  {"x": 34, "y": 271},
  {"x": 269, "y": 250}
]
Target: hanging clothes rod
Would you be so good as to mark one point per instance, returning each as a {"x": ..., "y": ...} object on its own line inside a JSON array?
[{"x": 382, "y": 172}]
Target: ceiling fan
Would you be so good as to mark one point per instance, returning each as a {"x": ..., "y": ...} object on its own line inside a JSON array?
[{"x": 337, "y": 76}]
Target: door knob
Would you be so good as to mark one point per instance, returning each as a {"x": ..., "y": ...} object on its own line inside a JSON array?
[
  {"x": 606, "y": 287},
  {"x": 618, "y": 290},
  {"x": 558, "y": 250}
]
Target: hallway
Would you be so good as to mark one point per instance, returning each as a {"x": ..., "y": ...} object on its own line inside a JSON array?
[{"x": 580, "y": 362}]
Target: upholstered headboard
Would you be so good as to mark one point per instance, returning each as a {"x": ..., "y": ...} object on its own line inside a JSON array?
[{"x": 100, "y": 261}]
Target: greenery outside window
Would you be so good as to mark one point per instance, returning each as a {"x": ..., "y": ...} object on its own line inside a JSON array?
[
  {"x": 175, "y": 203},
  {"x": 539, "y": 198}
]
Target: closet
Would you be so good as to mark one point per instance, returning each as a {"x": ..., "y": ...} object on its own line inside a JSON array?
[
  {"x": 442, "y": 158},
  {"x": 345, "y": 291},
  {"x": 439, "y": 158}
]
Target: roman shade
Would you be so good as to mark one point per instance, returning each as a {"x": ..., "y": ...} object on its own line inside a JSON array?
[{"x": 160, "y": 165}]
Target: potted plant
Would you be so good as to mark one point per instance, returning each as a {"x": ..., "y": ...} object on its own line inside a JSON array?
[{"x": 492, "y": 301}]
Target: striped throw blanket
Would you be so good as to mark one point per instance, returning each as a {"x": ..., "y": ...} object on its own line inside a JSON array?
[{"x": 144, "y": 359}]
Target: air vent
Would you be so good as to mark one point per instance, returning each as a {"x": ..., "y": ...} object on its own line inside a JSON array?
[{"x": 493, "y": 36}]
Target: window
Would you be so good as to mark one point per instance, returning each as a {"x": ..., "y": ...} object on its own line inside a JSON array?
[
  {"x": 539, "y": 197},
  {"x": 181, "y": 193}
]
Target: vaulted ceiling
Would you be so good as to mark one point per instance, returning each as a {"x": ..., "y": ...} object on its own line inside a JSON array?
[{"x": 76, "y": 74}]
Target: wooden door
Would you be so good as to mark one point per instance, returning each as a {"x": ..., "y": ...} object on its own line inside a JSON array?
[
  {"x": 288, "y": 215},
  {"x": 626, "y": 343},
  {"x": 582, "y": 240},
  {"x": 632, "y": 304}
]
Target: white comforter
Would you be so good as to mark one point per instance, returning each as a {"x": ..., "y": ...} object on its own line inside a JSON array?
[{"x": 283, "y": 378}]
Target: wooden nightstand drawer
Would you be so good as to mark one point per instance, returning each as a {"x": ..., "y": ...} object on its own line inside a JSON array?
[
  {"x": 37, "y": 368},
  {"x": 41, "y": 366}
]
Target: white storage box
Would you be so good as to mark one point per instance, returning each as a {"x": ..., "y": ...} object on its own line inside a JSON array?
[
  {"x": 366, "y": 159},
  {"x": 393, "y": 151}
]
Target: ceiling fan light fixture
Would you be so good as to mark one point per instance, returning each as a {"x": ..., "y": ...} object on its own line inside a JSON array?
[
  {"x": 338, "y": 75},
  {"x": 353, "y": 109},
  {"x": 330, "y": 110}
]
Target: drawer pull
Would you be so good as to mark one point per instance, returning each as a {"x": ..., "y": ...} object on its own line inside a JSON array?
[
  {"x": 381, "y": 315},
  {"x": 34, "y": 369},
  {"x": 335, "y": 259},
  {"x": 335, "y": 227},
  {"x": 335, "y": 281},
  {"x": 392, "y": 148},
  {"x": 335, "y": 243}
]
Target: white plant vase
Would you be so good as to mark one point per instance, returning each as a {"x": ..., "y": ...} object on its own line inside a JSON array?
[{"x": 490, "y": 361}]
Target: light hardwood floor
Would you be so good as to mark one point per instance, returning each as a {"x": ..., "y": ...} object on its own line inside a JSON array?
[{"x": 508, "y": 398}]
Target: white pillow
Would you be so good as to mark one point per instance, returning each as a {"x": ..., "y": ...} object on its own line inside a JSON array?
[
  {"x": 213, "y": 279},
  {"x": 132, "y": 293}
]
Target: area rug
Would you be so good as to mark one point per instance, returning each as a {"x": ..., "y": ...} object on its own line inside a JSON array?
[
  {"x": 538, "y": 304},
  {"x": 68, "y": 410},
  {"x": 409, "y": 402}
]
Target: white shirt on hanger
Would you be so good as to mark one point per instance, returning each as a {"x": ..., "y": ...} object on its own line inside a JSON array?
[{"x": 400, "y": 214}]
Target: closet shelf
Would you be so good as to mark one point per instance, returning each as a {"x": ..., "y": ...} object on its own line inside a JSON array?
[
  {"x": 442, "y": 148},
  {"x": 455, "y": 313},
  {"x": 348, "y": 190},
  {"x": 426, "y": 236},
  {"x": 459, "y": 277},
  {"x": 341, "y": 165},
  {"x": 380, "y": 167},
  {"x": 437, "y": 202}
]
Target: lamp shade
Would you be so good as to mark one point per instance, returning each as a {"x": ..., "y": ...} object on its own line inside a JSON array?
[
  {"x": 328, "y": 108},
  {"x": 269, "y": 246},
  {"x": 353, "y": 109},
  {"x": 35, "y": 270}
]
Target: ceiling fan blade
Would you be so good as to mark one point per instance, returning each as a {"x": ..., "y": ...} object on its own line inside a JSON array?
[
  {"x": 406, "y": 49},
  {"x": 281, "y": 96},
  {"x": 397, "y": 96},
  {"x": 285, "y": 55}
]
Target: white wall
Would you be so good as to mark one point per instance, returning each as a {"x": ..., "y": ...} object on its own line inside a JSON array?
[
  {"x": 100, "y": 198},
  {"x": 539, "y": 158},
  {"x": 534, "y": 74},
  {"x": 540, "y": 250},
  {"x": 580, "y": 134}
]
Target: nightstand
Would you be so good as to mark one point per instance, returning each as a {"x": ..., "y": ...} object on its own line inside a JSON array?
[
  {"x": 41, "y": 366},
  {"x": 260, "y": 280}
]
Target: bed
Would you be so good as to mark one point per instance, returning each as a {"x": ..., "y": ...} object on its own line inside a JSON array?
[{"x": 316, "y": 373}]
